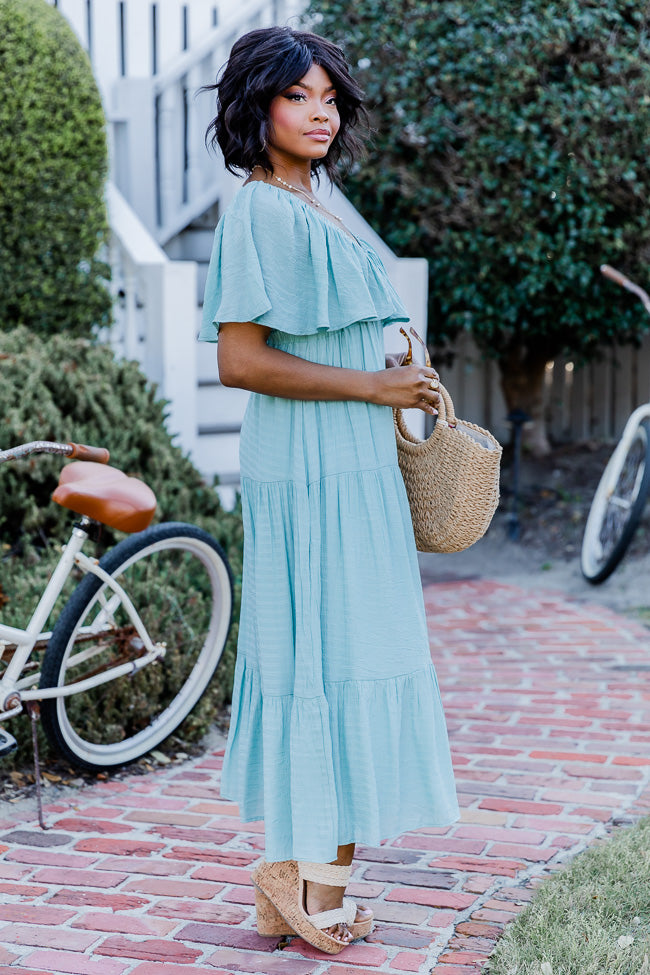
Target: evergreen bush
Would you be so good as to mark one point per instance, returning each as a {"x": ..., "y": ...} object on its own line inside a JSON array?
[
  {"x": 53, "y": 164},
  {"x": 511, "y": 149},
  {"x": 63, "y": 389}
]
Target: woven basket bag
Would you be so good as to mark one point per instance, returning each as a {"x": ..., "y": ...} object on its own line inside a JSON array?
[{"x": 452, "y": 479}]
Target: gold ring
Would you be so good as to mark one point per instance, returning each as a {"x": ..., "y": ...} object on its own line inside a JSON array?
[{"x": 434, "y": 384}]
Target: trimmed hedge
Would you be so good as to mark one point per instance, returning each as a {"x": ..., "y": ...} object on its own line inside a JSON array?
[
  {"x": 64, "y": 389},
  {"x": 53, "y": 164}
]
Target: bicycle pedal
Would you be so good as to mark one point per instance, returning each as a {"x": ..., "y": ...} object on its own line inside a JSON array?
[{"x": 8, "y": 743}]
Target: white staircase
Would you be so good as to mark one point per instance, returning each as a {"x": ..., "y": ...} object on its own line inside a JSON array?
[{"x": 166, "y": 195}]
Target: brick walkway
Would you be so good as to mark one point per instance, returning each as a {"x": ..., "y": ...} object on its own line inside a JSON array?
[{"x": 547, "y": 705}]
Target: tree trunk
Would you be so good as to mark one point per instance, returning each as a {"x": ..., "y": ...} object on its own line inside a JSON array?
[{"x": 522, "y": 381}]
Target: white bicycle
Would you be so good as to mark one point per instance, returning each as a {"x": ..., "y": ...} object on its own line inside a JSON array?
[
  {"x": 139, "y": 639},
  {"x": 621, "y": 494}
]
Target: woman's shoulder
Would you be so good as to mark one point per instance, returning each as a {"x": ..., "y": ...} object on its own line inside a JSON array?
[{"x": 259, "y": 201}]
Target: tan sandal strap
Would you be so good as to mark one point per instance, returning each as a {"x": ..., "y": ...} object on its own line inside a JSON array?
[
  {"x": 340, "y": 915},
  {"x": 324, "y": 873}
]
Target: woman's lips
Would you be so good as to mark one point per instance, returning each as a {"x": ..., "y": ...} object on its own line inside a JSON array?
[{"x": 319, "y": 134}]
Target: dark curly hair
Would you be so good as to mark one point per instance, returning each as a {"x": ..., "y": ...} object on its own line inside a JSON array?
[{"x": 263, "y": 64}]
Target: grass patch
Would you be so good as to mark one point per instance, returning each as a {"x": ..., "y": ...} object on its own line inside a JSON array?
[{"x": 593, "y": 918}]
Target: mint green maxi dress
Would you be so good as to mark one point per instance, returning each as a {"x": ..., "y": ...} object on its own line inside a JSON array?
[{"x": 337, "y": 733}]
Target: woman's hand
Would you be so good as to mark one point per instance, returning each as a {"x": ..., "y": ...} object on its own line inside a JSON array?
[{"x": 409, "y": 387}]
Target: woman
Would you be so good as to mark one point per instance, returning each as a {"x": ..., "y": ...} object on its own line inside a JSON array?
[{"x": 337, "y": 733}]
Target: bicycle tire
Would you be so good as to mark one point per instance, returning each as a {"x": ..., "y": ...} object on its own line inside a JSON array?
[
  {"x": 617, "y": 507},
  {"x": 119, "y": 721}
]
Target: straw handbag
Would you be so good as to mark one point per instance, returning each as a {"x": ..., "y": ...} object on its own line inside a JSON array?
[{"x": 451, "y": 479}]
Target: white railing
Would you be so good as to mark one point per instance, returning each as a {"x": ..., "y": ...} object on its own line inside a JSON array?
[
  {"x": 155, "y": 315},
  {"x": 150, "y": 60}
]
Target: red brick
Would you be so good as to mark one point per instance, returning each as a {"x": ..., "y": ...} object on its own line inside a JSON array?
[
  {"x": 163, "y": 968},
  {"x": 408, "y": 961},
  {"x": 214, "y": 934},
  {"x": 530, "y": 853},
  {"x": 432, "y": 898},
  {"x": 155, "y": 868},
  {"x": 442, "y": 919},
  {"x": 502, "y": 833},
  {"x": 70, "y": 963},
  {"x": 518, "y": 806},
  {"x": 49, "y": 858},
  {"x": 400, "y": 913},
  {"x": 504, "y": 868},
  {"x": 174, "y": 888},
  {"x": 6, "y": 958},
  {"x": 34, "y": 914},
  {"x": 92, "y": 898},
  {"x": 402, "y": 937},
  {"x": 224, "y": 875},
  {"x": 131, "y": 801},
  {"x": 63, "y": 876},
  {"x": 119, "y": 924},
  {"x": 231, "y": 858},
  {"x": 152, "y": 950},
  {"x": 341, "y": 970},
  {"x": 440, "y": 844},
  {"x": 118, "y": 847},
  {"x": 22, "y": 890},
  {"x": 622, "y": 773},
  {"x": 631, "y": 760},
  {"x": 192, "y": 910},
  {"x": 166, "y": 818},
  {"x": 46, "y": 937},
  {"x": 464, "y": 957},
  {"x": 570, "y": 756},
  {"x": 11, "y": 871},
  {"x": 561, "y": 825},
  {"x": 358, "y": 953},
  {"x": 78, "y": 825},
  {"x": 479, "y": 929},
  {"x": 248, "y": 961},
  {"x": 193, "y": 834}
]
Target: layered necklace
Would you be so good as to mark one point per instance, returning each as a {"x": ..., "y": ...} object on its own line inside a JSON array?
[{"x": 308, "y": 196}]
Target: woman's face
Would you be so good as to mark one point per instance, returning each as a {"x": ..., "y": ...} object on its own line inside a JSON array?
[{"x": 304, "y": 119}]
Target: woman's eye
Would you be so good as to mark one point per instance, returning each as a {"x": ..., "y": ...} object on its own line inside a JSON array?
[
  {"x": 296, "y": 96},
  {"x": 332, "y": 100}
]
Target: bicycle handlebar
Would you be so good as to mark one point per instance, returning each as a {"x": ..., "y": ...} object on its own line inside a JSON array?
[
  {"x": 624, "y": 282},
  {"x": 79, "y": 451}
]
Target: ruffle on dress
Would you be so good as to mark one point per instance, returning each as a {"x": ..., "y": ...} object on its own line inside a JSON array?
[{"x": 278, "y": 262}]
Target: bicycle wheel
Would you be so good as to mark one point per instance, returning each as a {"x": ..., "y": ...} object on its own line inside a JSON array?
[
  {"x": 617, "y": 507},
  {"x": 179, "y": 581}
]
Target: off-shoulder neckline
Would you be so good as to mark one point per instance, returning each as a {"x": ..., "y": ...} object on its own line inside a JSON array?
[{"x": 313, "y": 212}]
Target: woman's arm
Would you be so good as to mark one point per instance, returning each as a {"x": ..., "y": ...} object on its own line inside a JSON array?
[{"x": 246, "y": 361}]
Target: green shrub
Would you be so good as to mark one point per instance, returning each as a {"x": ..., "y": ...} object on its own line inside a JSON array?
[
  {"x": 511, "y": 149},
  {"x": 53, "y": 164},
  {"x": 70, "y": 389}
]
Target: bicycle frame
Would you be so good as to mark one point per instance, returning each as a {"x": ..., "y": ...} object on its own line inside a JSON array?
[{"x": 15, "y": 689}]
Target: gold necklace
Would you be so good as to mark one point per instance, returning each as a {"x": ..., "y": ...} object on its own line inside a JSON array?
[{"x": 314, "y": 203}]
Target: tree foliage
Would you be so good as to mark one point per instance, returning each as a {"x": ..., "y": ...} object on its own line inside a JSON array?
[
  {"x": 511, "y": 149},
  {"x": 53, "y": 163},
  {"x": 62, "y": 389}
]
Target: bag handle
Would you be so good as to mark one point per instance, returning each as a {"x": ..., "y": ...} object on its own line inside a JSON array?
[{"x": 446, "y": 410}]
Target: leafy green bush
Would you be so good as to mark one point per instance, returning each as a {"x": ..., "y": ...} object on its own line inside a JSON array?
[
  {"x": 511, "y": 149},
  {"x": 69, "y": 389},
  {"x": 53, "y": 163}
]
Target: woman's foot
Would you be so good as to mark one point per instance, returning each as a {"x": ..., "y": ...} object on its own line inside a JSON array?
[{"x": 323, "y": 897}]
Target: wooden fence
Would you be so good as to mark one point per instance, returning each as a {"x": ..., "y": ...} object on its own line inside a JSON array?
[{"x": 582, "y": 403}]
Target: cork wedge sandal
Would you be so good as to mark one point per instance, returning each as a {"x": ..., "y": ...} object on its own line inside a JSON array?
[{"x": 281, "y": 899}]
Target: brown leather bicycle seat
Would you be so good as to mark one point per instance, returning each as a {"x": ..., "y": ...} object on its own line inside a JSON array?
[{"x": 107, "y": 495}]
